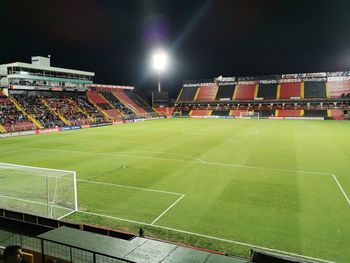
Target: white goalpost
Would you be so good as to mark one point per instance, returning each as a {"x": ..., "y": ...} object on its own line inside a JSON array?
[
  {"x": 39, "y": 191},
  {"x": 249, "y": 115}
]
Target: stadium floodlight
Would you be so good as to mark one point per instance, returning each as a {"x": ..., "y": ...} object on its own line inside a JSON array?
[{"x": 159, "y": 62}]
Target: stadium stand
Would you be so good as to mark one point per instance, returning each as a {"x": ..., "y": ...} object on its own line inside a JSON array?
[
  {"x": 289, "y": 90},
  {"x": 288, "y": 113},
  {"x": 35, "y": 106},
  {"x": 336, "y": 114},
  {"x": 236, "y": 113},
  {"x": 85, "y": 105},
  {"x": 138, "y": 100},
  {"x": 338, "y": 88},
  {"x": 165, "y": 111},
  {"x": 187, "y": 94},
  {"x": 128, "y": 102},
  {"x": 206, "y": 93},
  {"x": 220, "y": 112},
  {"x": 315, "y": 89},
  {"x": 11, "y": 118},
  {"x": 103, "y": 105},
  {"x": 245, "y": 91},
  {"x": 225, "y": 92},
  {"x": 117, "y": 104},
  {"x": 69, "y": 110},
  {"x": 267, "y": 91},
  {"x": 315, "y": 113},
  {"x": 200, "y": 113}
]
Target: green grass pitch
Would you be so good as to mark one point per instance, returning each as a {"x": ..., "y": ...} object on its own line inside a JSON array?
[{"x": 209, "y": 182}]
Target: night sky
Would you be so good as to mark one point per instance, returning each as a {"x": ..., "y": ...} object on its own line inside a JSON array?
[{"x": 114, "y": 38}]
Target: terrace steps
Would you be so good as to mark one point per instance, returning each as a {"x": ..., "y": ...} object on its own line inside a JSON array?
[
  {"x": 30, "y": 117},
  {"x": 63, "y": 119},
  {"x": 124, "y": 98},
  {"x": 97, "y": 107},
  {"x": 80, "y": 109}
]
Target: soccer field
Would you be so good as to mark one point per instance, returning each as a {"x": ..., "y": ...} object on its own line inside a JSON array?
[{"x": 220, "y": 184}]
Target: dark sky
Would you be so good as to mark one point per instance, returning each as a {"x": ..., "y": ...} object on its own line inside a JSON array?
[{"x": 208, "y": 38}]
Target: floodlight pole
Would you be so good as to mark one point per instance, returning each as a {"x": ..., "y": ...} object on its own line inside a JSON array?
[{"x": 159, "y": 88}]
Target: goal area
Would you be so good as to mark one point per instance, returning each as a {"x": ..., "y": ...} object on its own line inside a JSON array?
[
  {"x": 39, "y": 191},
  {"x": 249, "y": 115}
]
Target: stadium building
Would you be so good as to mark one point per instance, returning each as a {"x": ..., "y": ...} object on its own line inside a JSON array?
[
  {"x": 308, "y": 95},
  {"x": 38, "y": 96}
]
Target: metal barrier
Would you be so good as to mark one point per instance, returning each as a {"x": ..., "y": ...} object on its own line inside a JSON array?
[{"x": 51, "y": 249}]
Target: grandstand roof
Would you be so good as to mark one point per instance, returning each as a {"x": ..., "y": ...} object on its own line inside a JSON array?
[{"x": 40, "y": 67}]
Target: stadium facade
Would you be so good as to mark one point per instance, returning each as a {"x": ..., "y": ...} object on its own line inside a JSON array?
[
  {"x": 305, "y": 95},
  {"x": 39, "y": 97}
]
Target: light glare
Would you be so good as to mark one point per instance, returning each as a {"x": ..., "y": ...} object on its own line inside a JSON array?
[{"x": 159, "y": 61}]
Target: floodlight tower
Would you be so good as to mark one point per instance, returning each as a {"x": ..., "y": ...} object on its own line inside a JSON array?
[{"x": 159, "y": 61}]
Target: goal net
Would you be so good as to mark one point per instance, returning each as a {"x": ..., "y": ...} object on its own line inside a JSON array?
[
  {"x": 38, "y": 191},
  {"x": 249, "y": 115}
]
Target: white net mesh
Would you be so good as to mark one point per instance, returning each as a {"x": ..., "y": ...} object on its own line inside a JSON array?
[
  {"x": 43, "y": 192},
  {"x": 249, "y": 115}
]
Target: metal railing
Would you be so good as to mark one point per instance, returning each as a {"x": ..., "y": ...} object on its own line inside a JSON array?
[{"x": 51, "y": 249}]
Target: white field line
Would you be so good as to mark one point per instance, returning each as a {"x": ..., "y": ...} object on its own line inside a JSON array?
[
  {"x": 66, "y": 215},
  {"x": 207, "y": 236},
  {"x": 341, "y": 189},
  {"x": 160, "y": 216},
  {"x": 14, "y": 151},
  {"x": 33, "y": 202},
  {"x": 186, "y": 161},
  {"x": 130, "y": 187}
]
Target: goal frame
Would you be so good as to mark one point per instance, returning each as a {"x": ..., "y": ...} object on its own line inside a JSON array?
[
  {"x": 49, "y": 206},
  {"x": 249, "y": 115}
]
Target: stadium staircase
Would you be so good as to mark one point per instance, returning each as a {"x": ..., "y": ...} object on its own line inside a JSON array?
[
  {"x": 141, "y": 102},
  {"x": 2, "y": 129},
  {"x": 58, "y": 114},
  {"x": 21, "y": 109},
  {"x": 206, "y": 93},
  {"x": 78, "y": 109},
  {"x": 128, "y": 102}
]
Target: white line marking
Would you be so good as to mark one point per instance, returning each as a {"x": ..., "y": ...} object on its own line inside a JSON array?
[
  {"x": 66, "y": 215},
  {"x": 341, "y": 189},
  {"x": 178, "y": 200},
  {"x": 130, "y": 187},
  {"x": 169, "y": 153},
  {"x": 186, "y": 161},
  {"x": 206, "y": 236}
]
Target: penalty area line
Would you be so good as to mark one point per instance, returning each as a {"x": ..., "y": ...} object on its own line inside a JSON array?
[
  {"x": 341, "y": 189},
  {"x": 207, "y": 236},
  {"x": 171, "y": 206}
]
